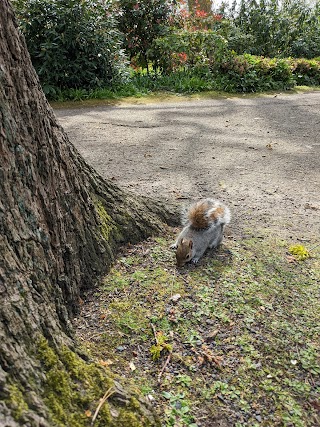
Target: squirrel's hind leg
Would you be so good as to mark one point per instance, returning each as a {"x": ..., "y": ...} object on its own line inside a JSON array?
[{"x": 217, "y": 238}]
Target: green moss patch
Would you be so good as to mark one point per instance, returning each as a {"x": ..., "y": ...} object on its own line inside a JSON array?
[
  {"x": 73, "y": 389},
  {"x": 107, "y": 225}
]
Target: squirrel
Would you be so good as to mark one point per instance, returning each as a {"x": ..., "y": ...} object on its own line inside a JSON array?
[{"x": 205, "y": 222}]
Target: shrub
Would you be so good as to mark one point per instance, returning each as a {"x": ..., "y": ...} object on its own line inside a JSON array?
[
  {"x": 72, "y": 44},
  {"x": 141, "y": 21},
  {"x": 188, "y": 49},
  {"x": 248, "y": 73},
  {"x": 306, "y": 72}
]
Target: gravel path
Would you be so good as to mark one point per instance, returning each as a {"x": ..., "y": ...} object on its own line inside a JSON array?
[{"x": 260, "y": 155}]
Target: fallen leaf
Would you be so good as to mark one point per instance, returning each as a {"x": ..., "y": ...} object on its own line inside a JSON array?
[
  {"x": 212, "y": 335},
  {"x": 107, "y": 362},
  {"x": 132, "y": 366},
  {"x": 200, "y": 360},
  {"x": 114, "y": 412},
  {"x": 291, "y": 259},
  {"x": 175, "y": 297}
]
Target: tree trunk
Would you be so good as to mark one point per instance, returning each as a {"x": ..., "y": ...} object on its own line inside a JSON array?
[{"x": 60, "y": 226}]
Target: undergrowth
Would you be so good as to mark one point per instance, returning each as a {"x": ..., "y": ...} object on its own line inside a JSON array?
[
  {"x": 236, "y": 74},
  {"x": 236, "y": 337}
]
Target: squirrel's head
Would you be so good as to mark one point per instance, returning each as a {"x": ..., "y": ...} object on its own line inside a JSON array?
[{"x": 184, "y": 252}]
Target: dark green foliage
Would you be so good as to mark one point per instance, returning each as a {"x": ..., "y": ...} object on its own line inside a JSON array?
[
  {"x": 141, "y": 22},
  {"x": 273, "y": 28},
  {"x": 72, "y": 43},
  {"x": 77, "y": 49},
  {"x": 236, "y": 73}
]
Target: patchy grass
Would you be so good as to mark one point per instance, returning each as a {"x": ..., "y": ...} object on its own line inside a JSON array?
[
  {"x": 243, "y": 326},
  {"x": 166, "y": 96}
]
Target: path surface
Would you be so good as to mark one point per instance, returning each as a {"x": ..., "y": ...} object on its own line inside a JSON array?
[{"x": 260, "y": 155}]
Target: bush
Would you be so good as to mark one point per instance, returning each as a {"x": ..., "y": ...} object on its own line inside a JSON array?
[
  {"x": 248, "y": 73},
  {"x": 188, "y": 49},
  {"x": 306, "y": 72},
  {"x": 72, "y": 44},
  {"x": 141, "y": 22}
]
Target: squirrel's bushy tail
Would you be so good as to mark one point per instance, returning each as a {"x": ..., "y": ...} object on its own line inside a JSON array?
[{"x": 208, "y": 212}]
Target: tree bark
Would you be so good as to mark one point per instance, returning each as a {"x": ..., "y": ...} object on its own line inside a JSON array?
[{"x": 60, "y": 226}]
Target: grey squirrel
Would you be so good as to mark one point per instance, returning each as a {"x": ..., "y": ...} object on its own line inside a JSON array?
[{"x": 206, "y": 220}]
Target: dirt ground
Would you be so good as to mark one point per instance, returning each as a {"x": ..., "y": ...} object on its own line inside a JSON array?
[{"x": 260, "y": 155}]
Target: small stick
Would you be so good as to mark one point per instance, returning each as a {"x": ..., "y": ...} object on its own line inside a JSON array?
[
  {"x": 164, "y": 366},
  {"x": 107, "y": 394},
  {"x": 154, "y": 333},
  {"x": 315, "y": 246}
]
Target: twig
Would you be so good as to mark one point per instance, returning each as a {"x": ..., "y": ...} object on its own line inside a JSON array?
[
  {"x": 315, "y": 246},
  {"x": 107, "y": 394},
  {"x": 164, "y": 366},
  {"x": 154, "y": 333},
  {"x": 169, "y": 355}
]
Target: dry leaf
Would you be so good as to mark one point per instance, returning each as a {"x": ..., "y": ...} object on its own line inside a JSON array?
[
  {"x": 132, "y": 366},
  {"x": 200, "y": 360},
  {"x": 175, "y": 297},
  {"x": 291, "y": 259},
  {"x": 107, "y": 362},
  {"x": 212, "y": 335},
  {"x": 114, "y": 412}
]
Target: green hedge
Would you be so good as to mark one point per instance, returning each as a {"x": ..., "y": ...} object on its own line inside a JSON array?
[
  {"x": 306, "y": 71},
  {"x": 249, "y": 73}
]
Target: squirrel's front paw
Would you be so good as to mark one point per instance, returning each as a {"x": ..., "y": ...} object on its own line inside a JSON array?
[
  {"x": 195, "y": 260},
  {"x": 173, "y": 246}
]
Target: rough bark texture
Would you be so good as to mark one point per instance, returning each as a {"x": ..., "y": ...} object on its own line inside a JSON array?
[{"x": 60, "y": 225}]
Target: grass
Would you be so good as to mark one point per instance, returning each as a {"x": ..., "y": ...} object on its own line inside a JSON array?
[
  {"x": 182, "y": 82},
  {"x": 141, "y": 85},
  {"x": 243, "y": 328}
]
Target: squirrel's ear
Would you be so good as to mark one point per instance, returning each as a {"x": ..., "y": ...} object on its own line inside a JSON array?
[{"x": 190, "y": 244}]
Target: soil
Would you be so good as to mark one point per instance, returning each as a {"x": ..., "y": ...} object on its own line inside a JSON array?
[{"x": 260, "y": 155}]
